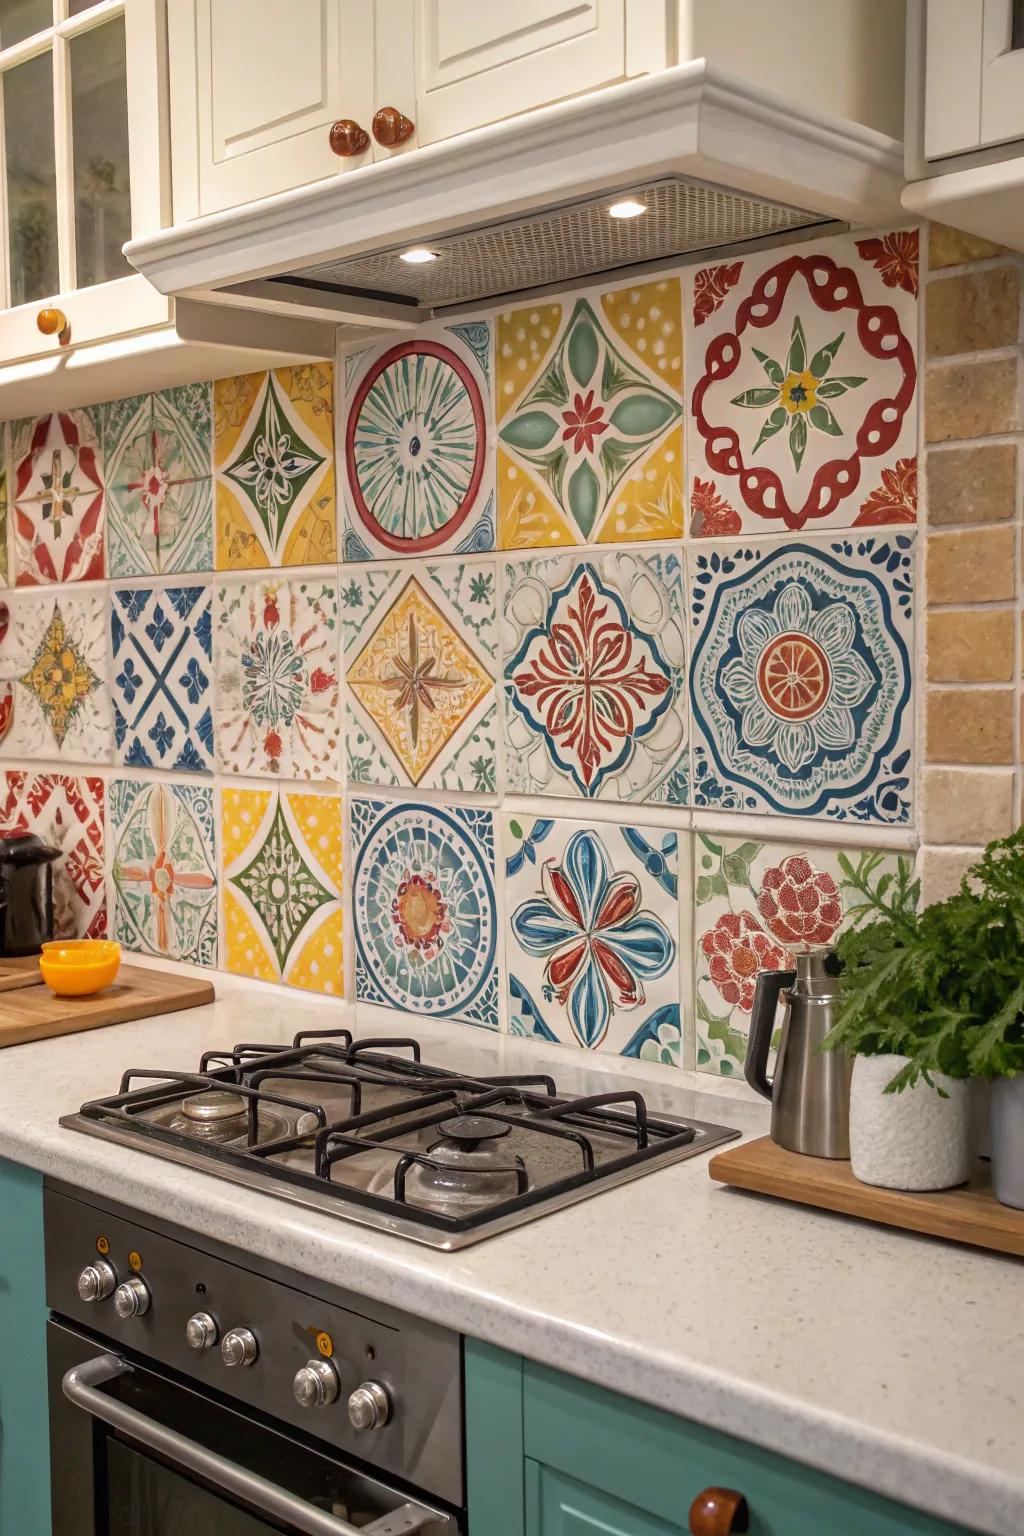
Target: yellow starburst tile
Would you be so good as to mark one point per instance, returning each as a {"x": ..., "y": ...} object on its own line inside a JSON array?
[
  {"x": 283, "y": 883},
  {"x": 274, "y": 468},
  {"x": 589, "y": 411},
  {"x": 417, "y": 679}
]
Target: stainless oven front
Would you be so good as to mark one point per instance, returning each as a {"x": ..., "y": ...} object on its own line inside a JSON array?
[
  {"x": 137, "y": 1453},
  {"x": 153, "y": 1434}
]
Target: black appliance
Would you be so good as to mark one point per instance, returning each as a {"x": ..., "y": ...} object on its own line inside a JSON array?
[{"x": 26, "y": 894}]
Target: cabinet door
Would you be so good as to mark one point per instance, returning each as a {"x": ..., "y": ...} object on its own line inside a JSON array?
[
  {"x": 559, "y": 1506},
  {"x": 25, "y": 1440},
  {"x": 464, "y": 63},
  {"x": 974, "y": 75},
  {"x": 255, "y": 87}
]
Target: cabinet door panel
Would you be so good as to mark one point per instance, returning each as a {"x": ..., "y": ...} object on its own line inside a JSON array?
[
  {"x": 254, "y": 91},
  {"x": 480, "y": 60},
  {"x": 558, "y": 1506},
  {"x": 1002, "y": 77},
  {"x": 24, "y": 1415}
]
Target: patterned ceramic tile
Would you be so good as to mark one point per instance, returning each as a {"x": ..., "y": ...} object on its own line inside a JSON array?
[
  {"x": 420, "y": 666},
  {"x": 800, "y": 681},
  {"x": 163, "y": 677},
  {"x": 54, "y": 658},
  {"x": 158, "y": 451},
  {"x": 755, "y": 904},
  {"x": 3, "y": 527},
  {"x": 282, "y": 887},
  {"x": 164, "y": 869},
  {"x": 274, "y": 458},
  {"x": 277, "y": 706},
  {"x": 593, "y": 946},
  {"x": 594, "y": 676},
  {"x": 589, "y": 406},
  {"x": 58, "y": 497},
  {"x": 67, "y": 813},
  {"x": 803, "y": 374},
  {"x": 424, "y": 909},
  {"x": 418, "y": 460}
]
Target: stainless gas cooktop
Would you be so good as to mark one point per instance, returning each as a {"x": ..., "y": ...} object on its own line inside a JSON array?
[{"x": 368, "y": 1130}]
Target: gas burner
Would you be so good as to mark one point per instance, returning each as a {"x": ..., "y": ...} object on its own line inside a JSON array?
[{"x": 368, "y": 1130}]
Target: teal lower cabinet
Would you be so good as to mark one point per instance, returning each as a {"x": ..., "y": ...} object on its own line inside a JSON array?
[
  {"x": 24, "y": 1418},
  {"x": 548, "y": 1455}
]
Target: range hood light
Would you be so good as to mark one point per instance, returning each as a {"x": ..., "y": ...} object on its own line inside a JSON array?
[
  {"x": 418, "y": 256},
  {"x": 629, "y": 208}
]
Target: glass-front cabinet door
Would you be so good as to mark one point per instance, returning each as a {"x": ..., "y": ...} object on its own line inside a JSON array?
[{"x": 77, "y": 134}]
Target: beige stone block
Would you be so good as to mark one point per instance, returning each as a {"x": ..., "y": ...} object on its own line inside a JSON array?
[
  {"x": 972, "y": 312},
  {"x": 971, "y": 645},
  {"x": 942, "y": 869},
  {"x": 970, "y": 725},
  {"x": 966, "y": 807},
  {"x": 972, "y": 485},
  {"x": 970, "y": 399},
  {"x": 977, "y": 566},
  {"x": 949, "y": 247}
]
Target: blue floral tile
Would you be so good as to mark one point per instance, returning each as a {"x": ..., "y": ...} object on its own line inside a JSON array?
[
  {"x": 162, "y": 677},
  {"x": 159, "y": 479},
  {"x": 593, "y": 942},
  {"x": 594, "y": 677},
  {"x": 424, "y": 910},
  {"x": 800, "y": 679}
]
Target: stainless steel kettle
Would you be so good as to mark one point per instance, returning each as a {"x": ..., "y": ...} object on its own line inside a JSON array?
[{"x": 810, "y": 1088}]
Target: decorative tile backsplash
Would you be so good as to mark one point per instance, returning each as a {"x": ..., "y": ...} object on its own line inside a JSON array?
[{"x": 608, "y": 704}]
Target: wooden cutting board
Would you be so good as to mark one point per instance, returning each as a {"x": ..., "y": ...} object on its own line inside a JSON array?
[
  {"x": 970, "y": 1214},
  {"x": 34, "y": 1013},
  {"x": 23, "y": 972}
]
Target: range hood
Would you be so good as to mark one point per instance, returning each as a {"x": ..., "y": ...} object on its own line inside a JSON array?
[{"x": 524, "y": 204}]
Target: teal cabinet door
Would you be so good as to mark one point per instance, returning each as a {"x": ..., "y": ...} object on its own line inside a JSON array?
[
  {"x": 24, "y": 1417},
  {"x": 557, "y": 1505}
]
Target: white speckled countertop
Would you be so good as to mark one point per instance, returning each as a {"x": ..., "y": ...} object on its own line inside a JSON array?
[{"x": 891, "y": 1360}]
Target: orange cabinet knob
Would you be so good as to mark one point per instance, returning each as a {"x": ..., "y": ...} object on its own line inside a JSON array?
[
  {"x": 54, "y": 322},
  {"x": 348, "y": 138},
  {"x": 719, "y": 1512},
  {"x": 391, "y": 127}
]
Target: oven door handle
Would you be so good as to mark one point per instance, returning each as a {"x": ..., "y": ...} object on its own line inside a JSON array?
[{"x": 80, "y": 1387}]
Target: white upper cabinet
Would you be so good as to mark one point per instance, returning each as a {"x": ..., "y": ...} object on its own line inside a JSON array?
[
  {"x": 256, "y": 87},
  {"x": 973, "y": 75},
  {"x": 464, "y": 63},
  {"x": 82, "y": 169}
]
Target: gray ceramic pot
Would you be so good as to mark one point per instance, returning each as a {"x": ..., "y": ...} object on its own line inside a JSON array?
[{"x": 1008, "y": 1140}]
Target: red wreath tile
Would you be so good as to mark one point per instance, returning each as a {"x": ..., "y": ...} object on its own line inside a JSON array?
[{"x": 805, "y": 386}]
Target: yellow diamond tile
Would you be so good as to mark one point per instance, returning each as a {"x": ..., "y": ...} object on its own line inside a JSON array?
[
  {"x": 527, "y": 517},
  {"x": 648, "y": 504},
  {"x": 247, "y": 953},
  {"x": 524, "y": 339},
  {"x": 649, "y": 320},
  {"x": 417, "y": 679}
]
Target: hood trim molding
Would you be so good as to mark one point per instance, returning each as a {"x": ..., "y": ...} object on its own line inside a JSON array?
[{"x": 693, "y": 120}]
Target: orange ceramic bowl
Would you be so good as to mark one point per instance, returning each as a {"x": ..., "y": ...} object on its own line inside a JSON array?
[{"x": 79, "y": 967}]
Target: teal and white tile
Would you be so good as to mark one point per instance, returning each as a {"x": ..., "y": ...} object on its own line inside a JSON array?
[
  {"x": 592, "y": 949},
  {"x": 159, "y": 468}
]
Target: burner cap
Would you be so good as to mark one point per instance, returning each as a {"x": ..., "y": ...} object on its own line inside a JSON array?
[
  {"x": 473, "y": 1128},
  {"x": 214, "y": 1105}
]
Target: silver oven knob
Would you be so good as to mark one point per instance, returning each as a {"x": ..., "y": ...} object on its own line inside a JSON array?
[
  {"x": 369, "y": 1407},
  {"x": 201, "y": 1331},
  {"x": 239, "y": 1347},
  {"x": 97, "y": 1281},
  {"x": 316, "y": 1384},
  {"x": 132, "y": 1298}
]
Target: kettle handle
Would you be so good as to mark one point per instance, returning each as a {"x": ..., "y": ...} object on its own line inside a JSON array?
[{"x": 762, "y": 1018}]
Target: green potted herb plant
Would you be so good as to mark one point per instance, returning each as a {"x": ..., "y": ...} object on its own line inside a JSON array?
[{"x": 931, "y": 997}]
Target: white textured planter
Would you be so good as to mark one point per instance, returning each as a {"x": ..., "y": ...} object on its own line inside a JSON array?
[
  {"x": 910, "y": 1140},
  {"x": 1008, "y": 1140}
]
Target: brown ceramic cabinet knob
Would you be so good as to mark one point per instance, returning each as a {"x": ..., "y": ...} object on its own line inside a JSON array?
[
  {"x": 54, "y": 322},
  {"x": 391, "y": 127},
  {"x": 348, "y": 138},
  {"x": 719, "y": 1512}
]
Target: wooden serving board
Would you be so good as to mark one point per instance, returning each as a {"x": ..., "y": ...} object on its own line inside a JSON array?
[
  {"x": 970, "y": 1214},
  {"x": 34, "y": 1013},
  {"x": 23, "y": 972}
]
